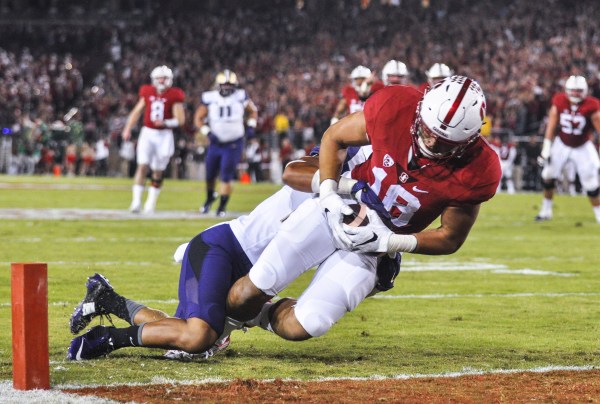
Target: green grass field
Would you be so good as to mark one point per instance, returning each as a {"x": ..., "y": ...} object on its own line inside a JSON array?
[{"x": 518, "y": 295}]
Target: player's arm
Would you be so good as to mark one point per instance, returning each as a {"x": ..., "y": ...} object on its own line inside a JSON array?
[
  {"x": 199, "y": 116},
  {"x": 596, "y": 123},
  {"x": 178, "y": 114},
  {"x": 251, "y": 113},
  {"x": 349, "y": 131},
  {"x": 132, "y": 119},
  {"x": 549, "y": 134},
  {"x": 339, "y": 110},
  {"x": 456, "y": 223}
]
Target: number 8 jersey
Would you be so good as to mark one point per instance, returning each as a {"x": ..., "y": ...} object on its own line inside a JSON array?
[
  {"x": 159, "y": 107},
  {"x": 226, "y": 114},
  {"x": 575, "y": 120}
]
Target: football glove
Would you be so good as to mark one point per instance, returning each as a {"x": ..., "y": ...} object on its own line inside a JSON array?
[
  {"x": 373, "y": 238},
  {"x": 335, "y": 209},
  {"x": 545, "y": 153}
]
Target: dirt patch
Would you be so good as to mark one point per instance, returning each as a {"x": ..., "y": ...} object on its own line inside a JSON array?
[{"x": 555, "y": 387}]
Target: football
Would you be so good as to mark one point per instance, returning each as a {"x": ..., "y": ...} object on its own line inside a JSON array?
[{"x": 359, "y": 217}]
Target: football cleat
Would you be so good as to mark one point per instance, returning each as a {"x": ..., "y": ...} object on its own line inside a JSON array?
[
  {"x": 219, "y": 346},
  {"x": 220, "y": 213},
  {"x": 207, "y": 205},
  {"x": 543, "y": 218},
  {"x": 89, "y": 307},
  {"x": 94, "y": 343},
  {"x": 135, "y": 207}
]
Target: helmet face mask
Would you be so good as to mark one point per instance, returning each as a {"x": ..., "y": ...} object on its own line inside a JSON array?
[
  {"x": 227, "y": 82},
  {"x": 576, "y": 88},
  {"x": 360, "y": 82},
  {"x": 162, "y": 78},
  {"x": 449, "y": 118}
]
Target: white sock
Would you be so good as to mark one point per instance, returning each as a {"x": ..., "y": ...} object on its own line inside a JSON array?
[
  {"x": 546, "y": 207},
  {"x": 150, "y": 204},
  {"x": 597, "y": 212},
  {"x": 230, "y": 326},
  {"x": 137, "y": 191},
  {"x": 262, "y": 320}
]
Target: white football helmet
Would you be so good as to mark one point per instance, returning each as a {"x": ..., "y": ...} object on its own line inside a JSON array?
[
  {"x": 437, "y": 72},
  {"x": 360, "y": 82},
  {"x": 162, "y": 72},
  {"x": 227, "y": 82},
  {"x": 397, "y": 70},
  {"x": 576, "y": 88},
  {"x": 449, "y": 118}
]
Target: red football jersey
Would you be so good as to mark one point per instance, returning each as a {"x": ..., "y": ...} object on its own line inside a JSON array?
[
  {"x": 575, "y": 121},
  {"x": 159, "y": 107},
  {"x": 353, "y": 101},
  {"x": 416, "y": 194}
]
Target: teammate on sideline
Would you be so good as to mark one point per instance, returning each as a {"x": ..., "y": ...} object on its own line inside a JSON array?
[
  {"x": 356, "y": 93},
  {"x": 220, "y": 116},
  {"x": 163, "y": 110},
  {"x": 575, "y": 115},
  {"x": 436, "y": 73},
  {"x": 428, "y": 164},
  {"x": 394, "y": 73}
]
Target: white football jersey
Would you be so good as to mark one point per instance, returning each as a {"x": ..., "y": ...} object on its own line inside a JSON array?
[
  {"x": 255, "y": 230},
  {"x": 226, "y": 114}
]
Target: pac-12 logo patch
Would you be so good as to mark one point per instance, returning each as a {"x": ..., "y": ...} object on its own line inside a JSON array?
[{"x": 388, "y": 161}]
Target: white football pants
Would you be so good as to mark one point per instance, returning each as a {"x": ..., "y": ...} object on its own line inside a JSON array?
[{"x": 342, "y": 280}]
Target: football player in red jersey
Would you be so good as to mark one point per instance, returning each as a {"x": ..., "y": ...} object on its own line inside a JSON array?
[
  {"x": 437, "y": 72},
  {"x": 428, "y": 161},
  {"x": 394, "y": 73},
  {"x": 575, "y": 115},
  {"x": 163, "y": 110},
  {"x": 355, "y": 94}
]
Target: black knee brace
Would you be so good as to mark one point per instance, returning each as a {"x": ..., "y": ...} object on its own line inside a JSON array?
[
  {"x": 593, "y": 193},
  {"x": 156, "y": 183},
  {"x": 549, "y": 184}
]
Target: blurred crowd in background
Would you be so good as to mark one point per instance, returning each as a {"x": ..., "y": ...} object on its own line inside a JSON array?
[{"x": 70, "y": 72}]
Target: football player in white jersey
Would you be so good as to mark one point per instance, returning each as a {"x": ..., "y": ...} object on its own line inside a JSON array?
[{"x": 220, "y": 116}]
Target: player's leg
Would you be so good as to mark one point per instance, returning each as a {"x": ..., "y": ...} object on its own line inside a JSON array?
[
  {"x": 343, "y": 281},
  {"x": 587, "y": 165},
  {"x": 212, "y": 163},
  {"x": 143, "y": 155},
  {"x": 229, "y": 163},
  {"x": 303, "y": 241},
  {"x": 163, "y": 148},
  {"x": 559, "y": 155}
]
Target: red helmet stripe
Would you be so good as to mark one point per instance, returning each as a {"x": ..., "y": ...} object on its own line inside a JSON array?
[{"x": 457, "y": 101}]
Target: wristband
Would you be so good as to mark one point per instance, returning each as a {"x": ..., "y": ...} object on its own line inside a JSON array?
[
  {"x": 402, "y": 243},
  {"x": 328, "y": 186},
  {"x": 251, "y": 122},
  {"x": 314, "y": 183},
  {"x": 344, "y": 186},
  {"x": 171, "y": 123}
]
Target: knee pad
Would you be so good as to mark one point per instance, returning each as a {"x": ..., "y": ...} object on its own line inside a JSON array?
[
  {"x": 314, "y": 318},
  {"x": 549, "y": 184},
  {"x": 265, "y": 279},
  {"x": 594, "y": 193},
  {"x": 156, "y": 183}
]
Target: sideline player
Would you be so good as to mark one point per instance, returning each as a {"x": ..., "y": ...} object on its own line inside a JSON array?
[
  {"x": 224, "y": 110},
  {"x": 356, "y": 93},
  {"x": 436, "y": 73},
  {"x": 507, "y": 152},
  {"x": 395, "y": 73},
  {"x": 428, "y": 164},
  {"x": 163, "y": 110},
  {"x": 575, "y": 115}
]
